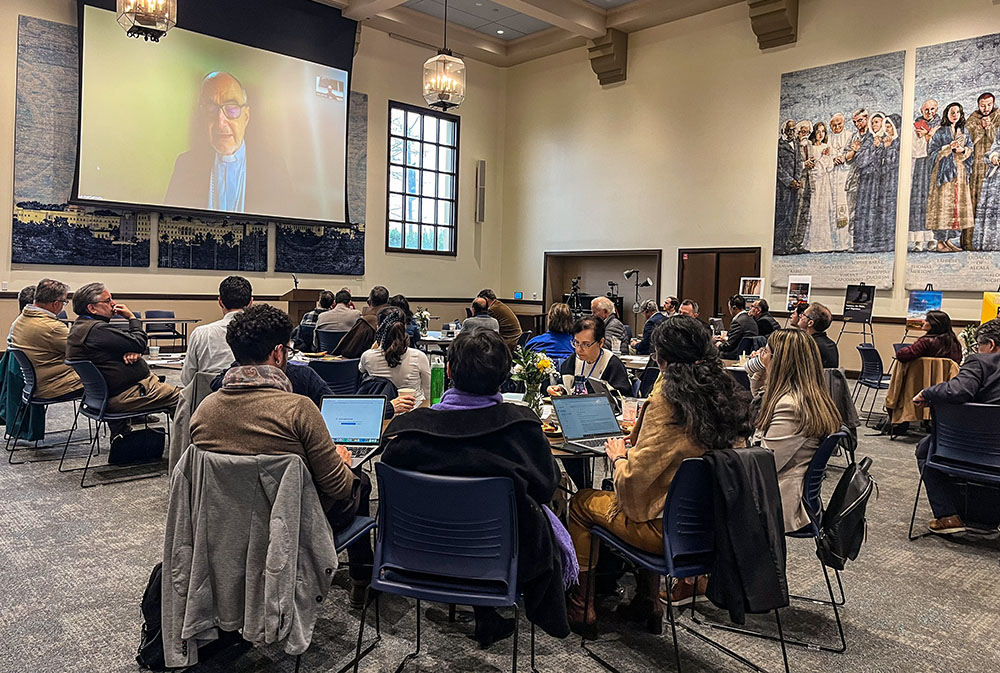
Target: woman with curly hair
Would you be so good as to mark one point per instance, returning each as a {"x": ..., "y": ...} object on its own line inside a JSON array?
[{"x": 695, "y": 406}]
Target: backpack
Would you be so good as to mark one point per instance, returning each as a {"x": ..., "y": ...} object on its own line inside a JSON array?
[
  {"x": 150, "y": 653},
  {"x": 844, "y": 527}
]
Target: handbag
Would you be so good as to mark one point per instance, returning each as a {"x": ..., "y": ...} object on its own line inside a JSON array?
[{"x": 139, "y": 446}]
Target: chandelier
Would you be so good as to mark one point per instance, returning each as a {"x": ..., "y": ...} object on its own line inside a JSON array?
[
  {"x": 444, "y": 76},
  {"x": 148, "y": 19}
]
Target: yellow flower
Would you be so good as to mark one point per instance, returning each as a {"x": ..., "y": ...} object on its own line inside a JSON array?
[{"x": 544, "y": 364}]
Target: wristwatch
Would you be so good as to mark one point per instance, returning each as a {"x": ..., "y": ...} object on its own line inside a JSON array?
[{"x": 615, "y": 462}]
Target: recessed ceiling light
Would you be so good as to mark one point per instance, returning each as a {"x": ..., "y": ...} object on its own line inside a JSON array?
[
  {"x": 499, "y": 32},
  {"x": 479, "y": 4}
]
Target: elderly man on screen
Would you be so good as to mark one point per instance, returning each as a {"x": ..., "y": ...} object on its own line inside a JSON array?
[{"x": 219, "y": 173}]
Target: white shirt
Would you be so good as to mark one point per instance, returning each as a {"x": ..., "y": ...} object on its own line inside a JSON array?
[
  {"x": 414, "y": 370},
  {"x": 207, "y": 349}
]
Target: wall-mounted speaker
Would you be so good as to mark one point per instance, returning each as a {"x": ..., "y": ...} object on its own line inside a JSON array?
[{"x": 481, "y": 191}]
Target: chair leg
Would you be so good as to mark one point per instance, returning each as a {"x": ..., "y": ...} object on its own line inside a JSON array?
[
  {"x": 673, "y": 625},
  {"x": 298, "y": 662},
  {"x": 513, "y": 662},
  {"x": 359, "y": 654},
  {"x": 533, "y": 669},
  {"x": 913, "y": 517},
  {"x": 69, "y": 437},
  {"x": 781, "y": 638},
  {"x": 90, "y": 456},
  {"x": 19, "y": 416}
]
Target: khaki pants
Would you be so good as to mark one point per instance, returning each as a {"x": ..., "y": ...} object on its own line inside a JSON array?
[
  {"x": 590, "y": 507},
  {"x": 147, "y": 395}
]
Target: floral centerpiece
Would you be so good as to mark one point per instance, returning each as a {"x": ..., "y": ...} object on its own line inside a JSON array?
[
  {"x": 534, "y": 369},
  {"x": 423, "y": 318}
]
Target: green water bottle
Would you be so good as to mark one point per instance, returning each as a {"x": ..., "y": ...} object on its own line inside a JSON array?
[{"x": 437, "y": 378}]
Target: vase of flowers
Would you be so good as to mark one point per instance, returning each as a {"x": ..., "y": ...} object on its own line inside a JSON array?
[
  {"x": 534, "y": 369},
  {"x": 423, "y": 318}
]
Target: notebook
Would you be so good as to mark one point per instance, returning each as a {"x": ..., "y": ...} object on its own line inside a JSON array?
[
  {"x": 356, "y": 423},
  {"x": 586, "y": 421}
]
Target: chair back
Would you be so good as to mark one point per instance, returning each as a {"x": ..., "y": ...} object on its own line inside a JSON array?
[
  {"x": 343, "y": 376},
  {"x": 468, "y": 312},
  {"x": 741, "y": 377},
  {"x": 27, "y": 372},
  {"x": 328, "y": 339},
  {"x": 647, "y": 379},
  {"x": 812, "y": 482},
  {"x": 967, "y": 433},
  {"x": 167, "y": 327},
  {"x": 62, "y": 315},
  {"x": 688, "y": 519},
  {"x": 466, "y": 533},
  {"x": 95, "y": 388},
  {"x": 871, "y": 363},
  {"x": 523, "y": 339},
  {"x": 305, "y": 336},
  {"x": 749, "y": 344}
]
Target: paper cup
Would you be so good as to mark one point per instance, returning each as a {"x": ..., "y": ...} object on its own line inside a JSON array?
[{"x": 154, "y": 351}]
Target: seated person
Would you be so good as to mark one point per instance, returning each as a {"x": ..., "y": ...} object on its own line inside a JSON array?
[
  {"x": 392, "y": 357},
  {"x": 938, "y": 342},
  {"x": 653, "y": 318},
  {"x": 796, "y": 414},
  {"x": 340, "y": 317},
  {"x": 207, "y": 350},
  {"x": 24, "y": 297},
  {"x": 690, "y": 309},
  {"x": 360, "y": 337},
  {"x": 117, "y": 353},
  {"x": 590, "y": 360},
  {"x": 741, "y": 326},
  {"x": 614, "y": 329},
  {"x": 814, "y": 321},
  {"x": 304, "y": 379},
  {"x": 761, "y": 312},
  {"x": 978, "y": 381},
  {"x": 42, "y": 337},
  {"x": 412, "y": 328},
  {"x": 796, "y": 315},
  {"x": 472, "y": 432},
  {"x": 671, "y": 306},
  {"x": 696, "y": 406},
  {"x": 256, "y": 412},
  {"x": 480, "y": 318},
  {"x": 556, "y": 341},
  {"x": 510, "y": 326},
  {"x": 323, "y": 304}
]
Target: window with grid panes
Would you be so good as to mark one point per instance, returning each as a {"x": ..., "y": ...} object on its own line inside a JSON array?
[{"x": 423, "y": 181}]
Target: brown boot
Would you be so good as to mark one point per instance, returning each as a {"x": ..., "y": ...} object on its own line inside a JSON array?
[
  {"x": 580, "y": 612},
  {"x": 645, "y": 607}
]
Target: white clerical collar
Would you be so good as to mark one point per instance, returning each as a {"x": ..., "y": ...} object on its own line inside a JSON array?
[{"x": 235, "y": 156}]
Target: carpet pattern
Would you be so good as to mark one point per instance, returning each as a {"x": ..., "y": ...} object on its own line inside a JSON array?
[{"x": 75, "y": 562}]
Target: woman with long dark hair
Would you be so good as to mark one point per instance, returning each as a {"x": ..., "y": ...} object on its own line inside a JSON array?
[
  {"x": 392, "y": 357},
  {"x": 412, "y": 328},
  {"x": 938, "y": 342},
  {"x": 695, "y": 406},
  {"x": 949, "y": 201}
]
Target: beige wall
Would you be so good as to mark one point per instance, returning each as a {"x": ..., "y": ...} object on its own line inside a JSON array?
[
  {"x": 384, "y": 69},
  {"x": 683, "y": 153}
]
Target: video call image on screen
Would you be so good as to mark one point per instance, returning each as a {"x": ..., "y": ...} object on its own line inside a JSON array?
[{"x": 200, "y": 123}]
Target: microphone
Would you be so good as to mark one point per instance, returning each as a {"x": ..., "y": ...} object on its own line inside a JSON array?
[{"x": 295, "y": 279}]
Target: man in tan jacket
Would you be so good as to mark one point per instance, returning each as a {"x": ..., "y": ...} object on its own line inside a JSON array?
[{"x": 42, "y": 336}]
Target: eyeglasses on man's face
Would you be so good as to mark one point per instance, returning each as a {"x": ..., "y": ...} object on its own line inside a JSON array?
[{"x": 230, "y": 110}]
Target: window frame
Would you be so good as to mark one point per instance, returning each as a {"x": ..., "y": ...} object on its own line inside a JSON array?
[{"x": 424, "y": 112}]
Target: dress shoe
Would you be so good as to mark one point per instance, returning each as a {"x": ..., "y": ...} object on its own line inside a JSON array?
[
  {"x": 947, "y": 525},
  {"x": 683, "y": 592},
  {"x": 579, "y": 611},
  {"x": 644, "y": 607},
  {"x": 491, "y": 627}
]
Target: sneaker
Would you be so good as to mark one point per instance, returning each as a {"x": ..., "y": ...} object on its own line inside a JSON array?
[
  {"x": 683, "y": 592},
  {"x": 948, "y": 525}
]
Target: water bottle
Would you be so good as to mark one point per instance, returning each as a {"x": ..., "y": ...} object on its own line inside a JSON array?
[{"x": 437, "y": 378}]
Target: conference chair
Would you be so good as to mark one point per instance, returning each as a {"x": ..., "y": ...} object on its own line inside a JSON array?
[
  {"x": 644, "y": 385},
  {"x": 28, "y": 400},
  {"x": 750, "y": 344},
  {"x": 343, "y": 376},
  {"x": 523, "y": 339},
  {"x": 741, "y": 377},
  {"x": 94, "y": 406},
  {"x": 327, "y": 340},
  {"x": 164, "y": 330},
  {"x": 872, "y": 377},
  {"x": 62, "y": 315},
  {"x": 688, "y": 551},
  {"x": 965, "y": 445},
  {"x": 812, "y": 487},
  {"x": 303, "y": 337},
  {"x": 441, "y": 550},
  {"x": 468, "y": 312}
]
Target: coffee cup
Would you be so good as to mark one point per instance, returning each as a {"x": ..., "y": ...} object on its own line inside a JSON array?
[{"x": 154, "y": 351}]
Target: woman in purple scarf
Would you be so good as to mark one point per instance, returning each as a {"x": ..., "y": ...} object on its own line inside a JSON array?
[{"x": 472, "y": 432}]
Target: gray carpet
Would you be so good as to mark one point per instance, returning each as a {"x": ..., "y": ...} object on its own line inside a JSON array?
[{"x": 75, "y": 562}]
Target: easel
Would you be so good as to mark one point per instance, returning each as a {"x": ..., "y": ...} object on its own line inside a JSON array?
[{"x": 867, "y": 329}]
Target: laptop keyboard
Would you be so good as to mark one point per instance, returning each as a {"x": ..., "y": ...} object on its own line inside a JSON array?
[
  {"x": 595, "y": 444},
  {"x": 359, "y": 450}
]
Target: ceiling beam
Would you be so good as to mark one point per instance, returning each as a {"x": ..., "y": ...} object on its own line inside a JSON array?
[
  {"x": 543, "y": 43},
  {"x": 426, "y": 29},
  {"x": 643, "y": 14},
  {"x": 359, "y": 10},
  {"x": 575, "y": 16}
]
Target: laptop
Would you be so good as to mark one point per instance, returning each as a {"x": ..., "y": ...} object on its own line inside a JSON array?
[
  {"x": 717, "y": 325},
  {"x": 355, "y": 422},
  {"x": 587, "y": 421}
]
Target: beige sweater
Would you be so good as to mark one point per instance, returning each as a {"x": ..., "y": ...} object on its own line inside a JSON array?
[
  {"x": 43, "y": 339},
  {"x": 252, "y": 421}
]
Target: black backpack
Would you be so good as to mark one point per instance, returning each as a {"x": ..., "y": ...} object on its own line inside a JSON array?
[
  {"x": 844, "y": 526},
  {"x": 150, "y": 653}
]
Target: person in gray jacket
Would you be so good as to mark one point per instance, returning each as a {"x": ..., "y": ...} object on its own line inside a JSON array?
[{"x": 481, "y": 318}]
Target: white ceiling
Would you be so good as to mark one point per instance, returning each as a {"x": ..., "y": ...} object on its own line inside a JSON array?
[{"x": 484, "y": 16}]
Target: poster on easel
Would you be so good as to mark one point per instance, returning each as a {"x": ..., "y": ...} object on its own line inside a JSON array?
[
  {"x": 799, "y": 291},
  {"x": 991, "y": 306},
  {"x": 922, "y": 301},
  {"x": 858, "y": 303},
  {"x": 751, "y": 288}
]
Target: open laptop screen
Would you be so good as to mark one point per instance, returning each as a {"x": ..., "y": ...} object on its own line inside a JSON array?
[
  {"x": 583, "y": 416},
  {"x": 354, "y": 420}
]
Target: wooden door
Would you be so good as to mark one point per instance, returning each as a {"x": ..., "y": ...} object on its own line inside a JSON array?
[{"x": 710, "y": 276}]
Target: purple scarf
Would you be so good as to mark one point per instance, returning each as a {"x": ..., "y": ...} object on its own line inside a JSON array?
[
  {"x": 457, "y": 400},
  {"x": 570, "y": 566}
]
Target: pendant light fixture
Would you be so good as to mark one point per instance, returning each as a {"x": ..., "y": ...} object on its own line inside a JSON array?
[
  {"x": 444, "y": 75},
  {"x": 148, "y": 19}
]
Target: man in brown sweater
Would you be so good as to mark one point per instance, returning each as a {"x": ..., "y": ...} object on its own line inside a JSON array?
[
  {"x": 256, "y": 412},
  {"x": 42, "y": 336},
  {"x": 510, "y": 326}
]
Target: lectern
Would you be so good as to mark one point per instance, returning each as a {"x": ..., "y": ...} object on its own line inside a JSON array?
[{"x": 300, "y": 302}]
